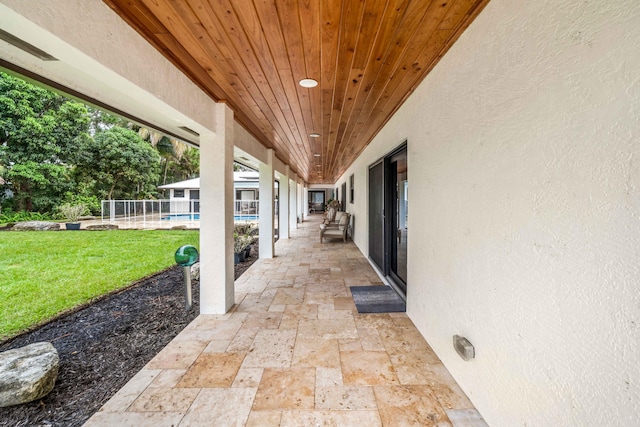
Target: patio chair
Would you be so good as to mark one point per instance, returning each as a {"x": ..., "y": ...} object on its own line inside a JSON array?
[{"x": 336, "y": 230}]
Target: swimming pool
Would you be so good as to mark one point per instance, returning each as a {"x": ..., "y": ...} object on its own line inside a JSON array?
[
  {"x": 196, "y": 217},
  {"x": 246, "y": 217},
  {"x": 182, "y": 217}
]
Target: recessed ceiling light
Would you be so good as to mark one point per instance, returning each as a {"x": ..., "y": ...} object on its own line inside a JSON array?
[
  {"x": 316, "y": 155},
  {"x": 308, "y": 83},
  {"x": 314, "y": 135}
]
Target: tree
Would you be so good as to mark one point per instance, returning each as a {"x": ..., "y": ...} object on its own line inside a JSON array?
[
  {"x": 38, "y": 186},
  {"x": 100, "y": 120},
  {"x": 188, "y": 165},
  {"x": 119, "y": 163},
  {"x": 54, "y": 150},
  {"x": 38, "y": 131},
  {"x": 179, "y": 161}
]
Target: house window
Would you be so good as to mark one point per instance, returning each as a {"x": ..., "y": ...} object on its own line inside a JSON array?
[
  {"x": 178, "y": 194},
  {"x": 246, "y": 195},
  {"x": 351, "y": 189}
]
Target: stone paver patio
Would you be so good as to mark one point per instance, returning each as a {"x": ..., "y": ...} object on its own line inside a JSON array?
[{"x": 294, "y": 351}]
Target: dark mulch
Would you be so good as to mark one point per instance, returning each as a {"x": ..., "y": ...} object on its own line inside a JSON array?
[{"x": 105, "y": 344}]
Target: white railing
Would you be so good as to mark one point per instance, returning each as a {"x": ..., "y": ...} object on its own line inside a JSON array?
[
  {"x": 246, "y": 210},
  {"x": 148, "y": 210},
  {"x": 155, "y": 210}
]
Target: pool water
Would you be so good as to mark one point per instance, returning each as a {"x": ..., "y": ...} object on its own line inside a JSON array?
[
  {"x": 196, "y": 217},
  {"x": 182, "y": 217},
  {"x": 246, "y": 217}
]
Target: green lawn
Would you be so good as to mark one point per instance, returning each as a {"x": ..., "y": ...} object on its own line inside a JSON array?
[{"x": 43, "y": 273}]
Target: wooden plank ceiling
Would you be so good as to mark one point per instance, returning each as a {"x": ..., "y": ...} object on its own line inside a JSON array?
[{"x": 367, "y": 56}]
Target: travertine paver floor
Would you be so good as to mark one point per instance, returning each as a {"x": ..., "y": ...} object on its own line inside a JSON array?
[{"x": 294, "y": 351}]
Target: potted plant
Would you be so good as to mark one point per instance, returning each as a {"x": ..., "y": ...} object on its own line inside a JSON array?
[
  {"x": 72, "y": 213},
  {"x": 240, "y": 242}
]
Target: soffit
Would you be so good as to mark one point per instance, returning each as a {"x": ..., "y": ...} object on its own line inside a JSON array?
[{"x": 367, "y": 55}]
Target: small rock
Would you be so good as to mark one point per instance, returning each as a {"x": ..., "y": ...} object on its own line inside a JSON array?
[
  {"x": 195, "y": 271},
  {"x": 97, "y": 227},
  {"x": 179, "y": 227},
  {"x": 36, "y": 226},
  {"x": 27, "y": 373}
]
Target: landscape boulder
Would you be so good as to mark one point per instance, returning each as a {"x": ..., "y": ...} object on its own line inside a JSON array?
[
  {"x": 27, "y": 373},
  {"x": 98, "y": 227},
  {"x": 36, "y": 226}
]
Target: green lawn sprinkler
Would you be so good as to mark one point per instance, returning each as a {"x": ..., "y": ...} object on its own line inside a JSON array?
[{"x": 186, "y": 256}]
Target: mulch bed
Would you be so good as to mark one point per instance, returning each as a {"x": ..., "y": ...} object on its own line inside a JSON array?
[{"x": 106, "y": 343}]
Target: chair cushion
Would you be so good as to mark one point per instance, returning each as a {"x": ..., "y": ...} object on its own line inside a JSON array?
[
  {"x": 332, "y": 232},
  {"x": 344, "y": 220}
]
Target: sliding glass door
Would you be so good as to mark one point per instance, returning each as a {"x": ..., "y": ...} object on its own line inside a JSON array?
[
  {"x": 388, "y": 215},
  {"x": 398, "y": 209}
]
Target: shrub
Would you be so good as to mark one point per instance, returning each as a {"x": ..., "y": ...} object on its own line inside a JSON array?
[
  {"x": 10, "y": 216},
  {"x": 72, "y": 212},
  {"x": 241, "y": 241},
  {"x": 92, "y": 203}
]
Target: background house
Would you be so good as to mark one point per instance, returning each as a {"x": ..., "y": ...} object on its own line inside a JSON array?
[{"x": 184, "y": 196}]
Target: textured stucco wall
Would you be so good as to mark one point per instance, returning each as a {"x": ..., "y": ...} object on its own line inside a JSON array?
[
  {"x": 248, "y": 144},
  {"x": 524, "y": 210}
]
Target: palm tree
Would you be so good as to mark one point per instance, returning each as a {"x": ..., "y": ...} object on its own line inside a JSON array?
[{"x": 172, "y": 154}]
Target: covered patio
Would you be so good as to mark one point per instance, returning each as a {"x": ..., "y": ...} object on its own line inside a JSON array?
[
  {"x": 294, "y": 351},
  {"x": 516, "y": 124}
]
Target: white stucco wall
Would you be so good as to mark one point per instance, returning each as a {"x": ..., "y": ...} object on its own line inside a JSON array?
[
  {"x": 524, "y": 211},
  {"x": 247, "y": 145}
]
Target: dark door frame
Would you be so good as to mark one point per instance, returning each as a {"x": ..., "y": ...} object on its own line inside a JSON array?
[
  {"x": 376, "y": 209},
  {"x": 389, "y": 231},
  {"x": 391, "y": 219}
]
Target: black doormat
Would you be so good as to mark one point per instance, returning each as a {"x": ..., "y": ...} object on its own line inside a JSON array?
[{"x": 377, "y": 299}]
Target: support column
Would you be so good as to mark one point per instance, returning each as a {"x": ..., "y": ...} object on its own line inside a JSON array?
[
  {"x": 293, "y": 207},
  {"x": 301, "y": 201},
  {"x": 266, "y": 207},
  {"x": 216, "y": 215},
  {"x": 284, "y": 204},
  {"x": 304, "y": 199}
]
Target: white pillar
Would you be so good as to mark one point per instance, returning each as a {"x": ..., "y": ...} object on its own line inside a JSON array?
[
  {"x": 293, "y": 207},
  {"x": 300, "y": 200},
  {"x": 305, "y": 198},
  {"x": 216, "y": 215},
  {"x": 284, "y": 204},
  {"x": 266, "y": 207}
]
